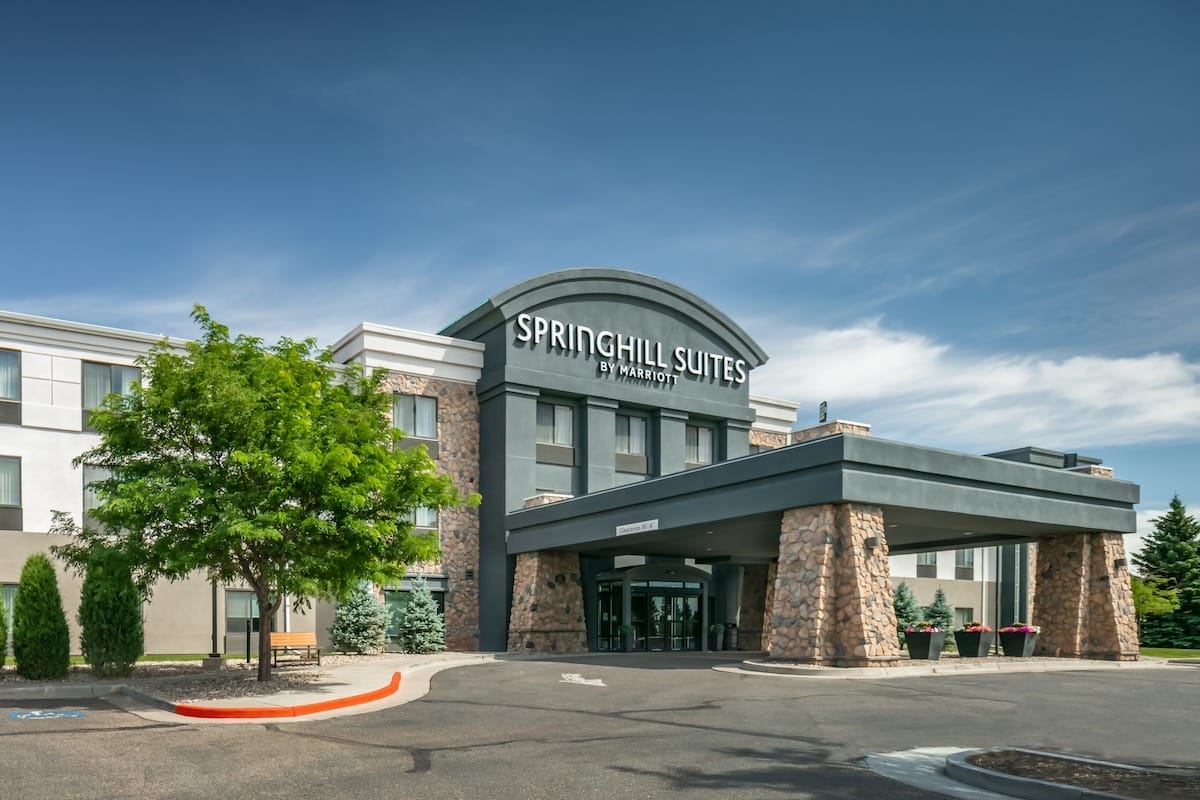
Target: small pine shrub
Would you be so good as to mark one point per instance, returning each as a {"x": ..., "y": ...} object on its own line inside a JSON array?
[
  {"x": 939, "y": 611},
  {"x": 110, "y": 617},
  {"x": 420, "y": 624},
  {"x": 41, "y": 642},
  {"x": 907, "y": 610},
  {"x": 360, "y": 624}
]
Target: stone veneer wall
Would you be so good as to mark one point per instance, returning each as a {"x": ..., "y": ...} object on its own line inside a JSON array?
[
  {"x": 832, "y": 600},
  {"x": 830, "y": 429},
  {"x": 1084, "y": 602},
  {"x": 752, "y": 613},
  {"x": 547, "y": 604},
  {"x": 768, "y": 440},
  {"x": 458, "y": 528}
]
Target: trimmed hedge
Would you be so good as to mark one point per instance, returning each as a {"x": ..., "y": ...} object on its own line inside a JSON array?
[{"x": 110, "y": 617}]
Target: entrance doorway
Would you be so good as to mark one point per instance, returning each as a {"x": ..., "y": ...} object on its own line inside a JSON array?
[{"x": 662, "y": 605}]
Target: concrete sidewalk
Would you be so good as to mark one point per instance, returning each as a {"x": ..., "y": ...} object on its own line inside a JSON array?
[{"x": 346, "y": 689}]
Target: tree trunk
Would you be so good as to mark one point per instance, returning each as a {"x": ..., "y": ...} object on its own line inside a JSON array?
[{"x": 266, "y": 610}]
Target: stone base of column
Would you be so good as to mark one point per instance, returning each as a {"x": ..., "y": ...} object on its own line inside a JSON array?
[
  {"x": 832, "y": 603},
  {"x": 1084, "y": 604},
  {"x": 547, "y": 607}
]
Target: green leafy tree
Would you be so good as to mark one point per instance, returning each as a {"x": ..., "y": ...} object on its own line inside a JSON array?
[
  {"x": 110, "y": 617},
  {"x": 268, "y": 465},
  {"x": 421, "y": 627},
  {"x": 1151, "y": 599},
  {"x": 907, "y": 610},
  {"x": 939, "y": 611},
  {"x": 41, "y": 641},
  {"x": 1170, "y": 556},
  {"x": 360, "y": 624}
]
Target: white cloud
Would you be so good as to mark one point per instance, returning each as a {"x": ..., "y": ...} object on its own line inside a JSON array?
[{"x": 912, "y": 387}]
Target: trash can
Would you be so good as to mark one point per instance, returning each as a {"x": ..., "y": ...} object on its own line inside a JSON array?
[{"x": 731, "y": 636}]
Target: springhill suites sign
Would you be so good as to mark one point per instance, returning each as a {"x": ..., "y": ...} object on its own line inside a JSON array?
[{"x": 630, "y": 357}]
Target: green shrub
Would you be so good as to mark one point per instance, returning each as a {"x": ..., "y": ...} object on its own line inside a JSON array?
[
  {"x": 420, "y": 624},
  {"x": 41, "y": 642},
  {"x": 3, "y": 632},
  {"x": 110, "y": 617},
  {"x": 360, "y": 624}
]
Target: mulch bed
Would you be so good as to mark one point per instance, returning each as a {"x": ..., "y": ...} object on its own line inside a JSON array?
[{"x": 1136, "y": 783}]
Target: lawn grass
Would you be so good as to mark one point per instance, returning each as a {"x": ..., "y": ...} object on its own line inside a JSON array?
[{"x": 1169, "y": 652}]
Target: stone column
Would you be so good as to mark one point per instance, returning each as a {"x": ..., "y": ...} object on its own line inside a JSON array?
[
  {"x": 753, "y": 607},
  {"x": 832, "y": 601},
  {"x": 1084, "y": 603},
  {"x": 547, "y": 604}
]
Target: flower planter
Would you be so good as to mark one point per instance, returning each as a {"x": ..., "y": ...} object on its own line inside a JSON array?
[
  {"x": 1018, "y": 645},
  {"x": 974, "y": 644},
  {"x": 925, "y": 646}
]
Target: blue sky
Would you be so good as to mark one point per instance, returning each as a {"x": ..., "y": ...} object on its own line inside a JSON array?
[{"x": 973, "y": 226}]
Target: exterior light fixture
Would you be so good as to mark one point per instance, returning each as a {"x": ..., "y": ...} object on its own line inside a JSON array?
[
  {"x": 1119, "y": 563},
  {"x": 871, "y": 542}
]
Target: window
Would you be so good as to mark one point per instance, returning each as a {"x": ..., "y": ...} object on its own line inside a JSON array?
[
  {"x": 415, "y": 415},
  {"x": 423, "y": 517},
  {"x": 8, "y": 593},
  {"x": 10, "y": 493},
  {"x": 964, "y": 565},
  {"x": 962, "y": 616},
  {"x": 556, "y": 437},
  {"x": 91, "y": 499},
  {"x": 10, "y": 387},
  {"x": 631, "y": 444},
  {"x": 554, "y": 424},
  {"x": 926, "y": 565},
  {"x": 241, "y": 605},
  {"x": 698, "y": 446},
  {"x": 101, "y": 380}
]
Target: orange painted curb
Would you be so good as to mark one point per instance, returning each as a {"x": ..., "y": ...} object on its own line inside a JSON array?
[{"x": 222, "y": 712}]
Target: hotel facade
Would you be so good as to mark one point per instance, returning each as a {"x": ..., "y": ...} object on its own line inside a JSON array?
[{"x": 635, "y": 492}]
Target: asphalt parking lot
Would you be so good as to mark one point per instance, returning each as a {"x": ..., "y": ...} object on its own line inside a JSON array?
[{"x": 606, "y": 727}]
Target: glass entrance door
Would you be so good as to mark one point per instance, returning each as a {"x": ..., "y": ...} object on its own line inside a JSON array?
[{"x": 664, "y": 615}]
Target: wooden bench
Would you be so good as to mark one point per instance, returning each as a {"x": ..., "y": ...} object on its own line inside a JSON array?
[{"x": 293, "y": 643}]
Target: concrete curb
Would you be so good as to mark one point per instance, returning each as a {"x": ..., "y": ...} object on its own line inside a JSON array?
[
  {"x": 1028, "y": 788},
  {"x": 275, "y": 712},
  {"x": 754, "y": 667}
]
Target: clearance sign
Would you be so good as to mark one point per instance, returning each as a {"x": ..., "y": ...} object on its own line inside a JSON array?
[{"x": 631, "y": 357}]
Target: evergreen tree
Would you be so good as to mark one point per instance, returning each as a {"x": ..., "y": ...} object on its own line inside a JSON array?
[
  {"x": 110, "y": 617},
  {"x": 421, "y": 627},
  {"x": 41, "y": 642},
  {"x": 1171, "y": 556},
  {"x": 360, "y": 625},
  {"x": 939, "y": 611},
  {"x": 3, "y": 632},
  {"x": 907, "y": 611}
]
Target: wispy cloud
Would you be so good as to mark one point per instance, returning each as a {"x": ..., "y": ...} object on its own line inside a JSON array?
[
  {"x": 913, "y": 387},
  {"x": 269, "y": 295}
]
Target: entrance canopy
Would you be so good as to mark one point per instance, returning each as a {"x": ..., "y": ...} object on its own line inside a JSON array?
[{"x": 731, "y": 511}]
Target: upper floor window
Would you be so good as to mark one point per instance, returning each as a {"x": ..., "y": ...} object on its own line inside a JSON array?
[
  {"x": 698, "y": 445},
  {"x": 10, "y": 387},
  {"x": 423, "y": 517},
  {"x": 10, "y": 493},
  {"x": 631, "y": 444},
  {"x": 964, "y": 565},
  {"x": 101, "y": 380},
  {"x": 555, "y": 424},
  {"x": 926, "y": 565},
  {"x": 415, "y": 415}
]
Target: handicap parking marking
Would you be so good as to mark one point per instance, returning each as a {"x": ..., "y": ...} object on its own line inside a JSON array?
[{"x": 47, "y": 713}]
